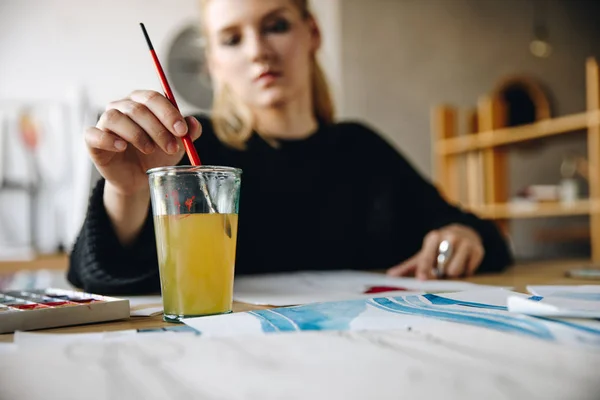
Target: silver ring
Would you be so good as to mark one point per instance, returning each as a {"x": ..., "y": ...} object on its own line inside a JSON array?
[{"x": 444, "y": 254}]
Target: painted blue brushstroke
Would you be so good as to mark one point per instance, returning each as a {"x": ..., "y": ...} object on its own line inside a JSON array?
[
  {"x": 271, "y": 322},
  {"x": 437, "y": 300},
  {"x": 339, "y": 316},
  {"x": 314, "y": 317},
  {"x": 416, "y": 301},
  {"x": 444, "y": 301},
  {"x": 332, "y": 316},
  {"x": 491, "y": 321}
]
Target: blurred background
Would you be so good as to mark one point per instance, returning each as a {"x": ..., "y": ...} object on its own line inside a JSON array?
[{"x": 390, "y": 64}]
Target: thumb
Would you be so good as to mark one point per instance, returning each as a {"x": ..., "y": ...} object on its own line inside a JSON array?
[
  {"x": 194, "y": 128},
  {"x": 405, "y": 268}
]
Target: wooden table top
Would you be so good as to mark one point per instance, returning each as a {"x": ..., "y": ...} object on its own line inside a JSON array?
[{"x": 518, "y": 277}]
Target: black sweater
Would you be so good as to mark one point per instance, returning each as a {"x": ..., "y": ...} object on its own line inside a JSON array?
[{"x": 341, "y": 199}]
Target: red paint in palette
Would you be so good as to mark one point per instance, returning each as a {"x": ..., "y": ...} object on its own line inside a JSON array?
[
  {"x": 60, "y": 304},
  {"x": 34, "y": 306},
  {"x": 50, "y": 308}
]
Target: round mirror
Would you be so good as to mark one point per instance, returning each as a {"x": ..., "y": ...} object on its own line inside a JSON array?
[{"x": 187, "y": 68}]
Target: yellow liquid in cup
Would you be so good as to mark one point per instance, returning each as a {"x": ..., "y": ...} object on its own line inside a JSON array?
[{"x": 196, "y": 260}]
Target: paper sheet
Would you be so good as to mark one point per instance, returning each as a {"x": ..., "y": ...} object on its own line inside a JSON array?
[
  {"x": 482, "y": 298},
  {"x": 445, "y": 361},
  {"x": 39, "y": 338},
  {"x": 7, "y": 348},
  {"x": 555, "y": 307},
  {"x": 285, "y": 289},
  {"x": 575, "y": 292},
  {"x": 21, "y": 338},
  {"x": 414, "y": 311}
]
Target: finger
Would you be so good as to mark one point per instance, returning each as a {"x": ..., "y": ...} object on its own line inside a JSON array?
[
  {"x": 163, "y": 109},
  {"x": 120, "y": 124},
  {"x": 143, "y": 117},
  {"x": 475, "y": 260},
  {"x": 103, "y": 145},
  {"x": 458, "y": 262},
  {"x": 428, "y": 256},
  {"x": 404, "y": 268},
  {"x": 194, "y": 127}
]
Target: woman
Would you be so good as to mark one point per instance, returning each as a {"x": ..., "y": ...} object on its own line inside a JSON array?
[{"x": 315, "y": 194}]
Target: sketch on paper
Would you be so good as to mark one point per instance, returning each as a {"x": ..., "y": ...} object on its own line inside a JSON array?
[
  {"x": 454, "y": 362},
  {"x": 118, "y": 359}
]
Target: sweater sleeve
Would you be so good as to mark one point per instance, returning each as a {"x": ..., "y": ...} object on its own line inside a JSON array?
[
  {"x": 99, "y": 263},
  {"x": 410, "y": 207}
]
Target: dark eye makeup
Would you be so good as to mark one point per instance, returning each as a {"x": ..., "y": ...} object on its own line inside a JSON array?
[{"x": 278, "y": 25}]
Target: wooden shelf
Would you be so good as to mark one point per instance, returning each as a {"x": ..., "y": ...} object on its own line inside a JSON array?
[
  {"x": 472, "y": 168},
  {"x": 534, "y": 210},
  {"x": 499, "y": 137},
  {"x": 560, "y": 234}
]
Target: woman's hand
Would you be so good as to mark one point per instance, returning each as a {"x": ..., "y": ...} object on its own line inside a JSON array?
[
  {"x": 135, "y": 134},
  {"x": 467, "y": 254}
]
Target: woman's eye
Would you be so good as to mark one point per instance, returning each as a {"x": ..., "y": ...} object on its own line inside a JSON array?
[
  {"x": 230, "y": 40},
  {"x": 278, "y": 26}
]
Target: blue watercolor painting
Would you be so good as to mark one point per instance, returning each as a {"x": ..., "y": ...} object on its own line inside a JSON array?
[
  {"x": 321, "y": 316},
  {"x": 392, "y": 312},
  {"x": 414, "y": 305}
]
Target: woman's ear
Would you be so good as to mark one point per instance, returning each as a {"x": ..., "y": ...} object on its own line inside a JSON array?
[{"x": 315, "y": 34}]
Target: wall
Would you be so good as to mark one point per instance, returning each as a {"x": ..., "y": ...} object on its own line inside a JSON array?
[
  {"x": 328, "y": 15},
  {"x": 401, "y": 57},
  {"x": 52, "y": 50},
  {"x": 55, "y": 51},
  {"x": 48, "y": 46}
]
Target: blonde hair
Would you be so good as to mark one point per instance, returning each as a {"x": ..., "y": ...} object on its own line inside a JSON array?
[{"x": 232, "y": 120}]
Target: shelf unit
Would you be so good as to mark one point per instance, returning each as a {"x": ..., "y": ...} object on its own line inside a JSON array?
[
  {"x": 532, "y": 210},
  {"x": 483, "y": 148}
]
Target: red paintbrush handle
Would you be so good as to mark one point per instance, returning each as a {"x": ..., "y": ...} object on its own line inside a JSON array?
[
  {"x": 163, "y": 79},
  {"x": 187, "y": 140},
  {"x": 191, "y": 150}
]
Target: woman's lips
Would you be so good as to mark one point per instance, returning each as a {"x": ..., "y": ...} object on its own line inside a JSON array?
[{"x": 268, "y": 77}]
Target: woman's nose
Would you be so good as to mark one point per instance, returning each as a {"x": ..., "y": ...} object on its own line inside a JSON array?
[{"x": 258, "y": 48}]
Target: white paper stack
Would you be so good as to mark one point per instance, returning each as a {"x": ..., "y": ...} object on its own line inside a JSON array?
[
  {"x": 305, "y": 287},
  {"x": 554, "y": 307},
  {"x": 576, "y": 301}
]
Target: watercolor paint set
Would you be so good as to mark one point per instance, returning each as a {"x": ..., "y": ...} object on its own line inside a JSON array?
[{"x": 23, "y": 310}]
